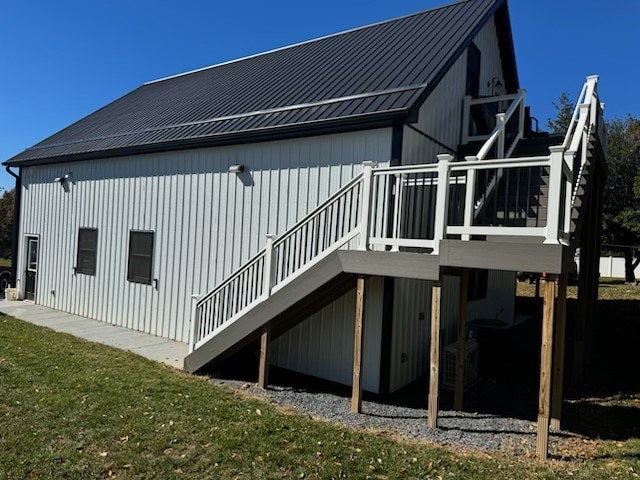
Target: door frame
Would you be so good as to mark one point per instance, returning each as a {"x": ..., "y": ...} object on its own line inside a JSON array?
[{"x": 25, "y": 257}]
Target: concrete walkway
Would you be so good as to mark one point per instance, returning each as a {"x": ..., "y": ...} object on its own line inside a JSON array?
[{"x": 169, "y": 352}]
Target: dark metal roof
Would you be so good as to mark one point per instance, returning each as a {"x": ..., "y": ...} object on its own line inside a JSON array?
[{"x": 373, "y": 73}]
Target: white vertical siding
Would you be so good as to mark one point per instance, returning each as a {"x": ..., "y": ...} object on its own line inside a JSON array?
[
  {"x": 207, "y": 222},
  {"x": 441, "y": 114},
  {"x": 410, "y": 332},
  {"x": 412, "y": 319},
  {"x": 322, "y": 345},
  {"x": 500, "y": 300}
]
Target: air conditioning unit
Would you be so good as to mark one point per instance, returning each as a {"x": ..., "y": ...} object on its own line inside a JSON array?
[{"x": 470, "y": 364}]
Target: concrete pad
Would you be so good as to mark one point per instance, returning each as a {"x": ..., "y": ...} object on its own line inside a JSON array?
[
  {"x": 155, "y": 348},
  {"x": 169, "y": 353}
]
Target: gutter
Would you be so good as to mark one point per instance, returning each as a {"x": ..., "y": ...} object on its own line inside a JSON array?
[{"x": 15, "y": 233}]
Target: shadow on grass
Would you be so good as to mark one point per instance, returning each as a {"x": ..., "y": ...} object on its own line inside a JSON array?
[{"x": 608, "y": 422}]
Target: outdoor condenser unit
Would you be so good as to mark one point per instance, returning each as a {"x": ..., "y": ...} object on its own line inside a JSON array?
[{"x": 470, "y": 364}]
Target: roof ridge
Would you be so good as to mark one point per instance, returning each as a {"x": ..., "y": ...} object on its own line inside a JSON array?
[{"x": 305, "y": 42}]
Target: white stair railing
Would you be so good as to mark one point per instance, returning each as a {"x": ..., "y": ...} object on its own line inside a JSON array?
[
  {"x": 497, "y": 138},
  {"x": 587, "y": 118},
  {"x": 325, "y": 229}
]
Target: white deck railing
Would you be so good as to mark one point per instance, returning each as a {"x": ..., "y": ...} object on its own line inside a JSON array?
[
  {"x": 389, "y": 208},
  {"x": 503, "y": 104},
  {"x": 497, "y": 142}
]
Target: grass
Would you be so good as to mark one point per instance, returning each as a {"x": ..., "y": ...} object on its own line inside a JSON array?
[
  {"x": 609, "y": 289},
  {"x": 5, "y": 262},
  {"x": 74, "y": 409}
]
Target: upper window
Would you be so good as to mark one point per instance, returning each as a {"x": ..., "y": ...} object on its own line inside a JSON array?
[
  {"x": 140, "y": 257},
  {"x": 473, "y": 70},
  {"x": 87, "y": 251}
]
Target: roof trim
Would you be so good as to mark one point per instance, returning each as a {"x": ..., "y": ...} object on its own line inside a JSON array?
[
  {"x": 305, "y": 42},
  {"x": 365, "y": 121}
]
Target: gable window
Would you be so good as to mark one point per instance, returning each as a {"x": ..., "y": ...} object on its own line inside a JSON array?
[
  {"x": 87, "y": 251},
  {"x": 140, "y": 257},
  {"x": 473, "y": 70}
]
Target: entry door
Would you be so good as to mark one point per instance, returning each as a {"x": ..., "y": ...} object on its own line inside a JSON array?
[{"x": 32, "y": 269}]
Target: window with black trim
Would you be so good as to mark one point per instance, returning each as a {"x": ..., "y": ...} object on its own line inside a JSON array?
[
  {"x": 140, "y": 257},
  {"x": 87, "y": 251}
]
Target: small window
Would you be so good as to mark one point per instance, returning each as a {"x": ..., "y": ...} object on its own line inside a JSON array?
[
  {"x": 140, "y": 257},
  {"x": 473, "y": 71},
  {"x": 87, "y": 251}
]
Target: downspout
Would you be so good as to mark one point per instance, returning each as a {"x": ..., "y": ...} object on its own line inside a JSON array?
[{"x": 15, "y": 233}]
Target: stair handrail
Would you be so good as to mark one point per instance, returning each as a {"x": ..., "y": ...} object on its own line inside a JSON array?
[
  {"x": 586, "y": 117},
  {"x": 499, "y": 132},
  {"x": 263, "y": 279},
  {"x": 581, "y": 114},
  {"x": 497, "y": 135}
]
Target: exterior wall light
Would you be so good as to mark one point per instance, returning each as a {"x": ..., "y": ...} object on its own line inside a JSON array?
[
  {"x": 236, "y": 169},
  {"x": 62, "y": 180}
]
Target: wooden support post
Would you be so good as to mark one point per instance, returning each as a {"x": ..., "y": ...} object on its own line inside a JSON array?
[
  {"x": 356, "y": 390},
  {"x": 546, "y": 365},
  {"x": 558, "y": 352},
  {"x": 458, "y": 398},
  {"x": 434, "y": 368},
  {"x": 584, "y": 305},
  {"x": 263, "y": 370}
]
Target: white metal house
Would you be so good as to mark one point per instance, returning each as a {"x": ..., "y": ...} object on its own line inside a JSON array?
[{"x": 387, "y": 171}]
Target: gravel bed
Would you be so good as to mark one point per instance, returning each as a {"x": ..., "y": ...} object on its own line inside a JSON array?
[{"x": 487, "y": 433}]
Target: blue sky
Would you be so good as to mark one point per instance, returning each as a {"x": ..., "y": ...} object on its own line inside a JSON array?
[{"x": 59, "y": 61}]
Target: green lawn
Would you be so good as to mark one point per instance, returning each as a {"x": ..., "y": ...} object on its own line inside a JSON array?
[
  {"x": 73, "y": 409},
  {"x": 5, "y": 262},
  {"x": 609, "y": 289}
]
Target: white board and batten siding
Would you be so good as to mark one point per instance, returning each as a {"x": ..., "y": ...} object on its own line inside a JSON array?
[
  {"x": 207, "y": 222},
  {"x": 412, "y": 319},
  {"x": 322, "y": 345},
  {"x": 441, "y": 114},
  {"x": 410, "y": 331}
]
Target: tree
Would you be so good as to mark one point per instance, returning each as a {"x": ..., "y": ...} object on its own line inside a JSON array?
[
  {"x": 564, "y": 112},
  {"x": 6, "y": 222},
  {"x": 621, "y": 208}
]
